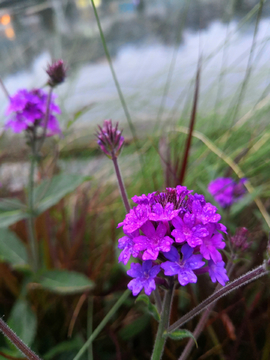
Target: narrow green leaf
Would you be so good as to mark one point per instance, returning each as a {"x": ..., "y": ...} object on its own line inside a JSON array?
[
  {"x": 180, "y": 334},
  {"x": 23, "y": 322},
  {"x": 12, "y": 249},
  {"x": 78, "y": 114},
  {"x": 51, "y": 191},
  {"x": 65, "y": 282},
  {"x": 151, "y": 308}
]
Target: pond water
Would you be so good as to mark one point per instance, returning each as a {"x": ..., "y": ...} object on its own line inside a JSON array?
[{"x": 149, "y": 44}]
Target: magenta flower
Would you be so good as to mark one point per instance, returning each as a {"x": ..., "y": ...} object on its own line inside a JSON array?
[
  {"x": 186, "y": 230},
  {"x": 182, "y": 267},
  {"x": 218, "y": 272},
  {"x": 135, "y": 218},
  {"x": 205, "y": 214},
  {"x": 209, "y": 247},
  {"x": 28, "y": 108},
  {"x": 226, "y": 191},
  {"x": 126, "y": 243},
  {"x": 160, "y": 213},
  {"x": 154, "y": 241},
  {"x": 144, "y": 277}
]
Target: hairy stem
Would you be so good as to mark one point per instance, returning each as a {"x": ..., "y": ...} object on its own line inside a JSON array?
[
  {"x": 163, "y": 324},
  {"x": 10, "y": 334},
  {"x": 203, "y": 320},
  {"x": 121, "y": 184},
  {"x": 241, "y": 281}
]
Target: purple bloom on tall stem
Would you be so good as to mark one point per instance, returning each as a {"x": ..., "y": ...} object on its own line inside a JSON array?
[
  {"x": 110, "y": 139},
  {"x": 186, "y": 230},
  {"x": 226, "y": 191},
  {"x": 28, "y": 108},
  {"x": 218, "y": 272},
  {"x": 154, "y": 240},
  {"x": 144, "y": 277},
  {"x": 57, "y": 72},
  {"x": 182, "y": 267}
]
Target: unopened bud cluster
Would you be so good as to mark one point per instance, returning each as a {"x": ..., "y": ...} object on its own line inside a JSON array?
[
  {"x": 240, "y": 239},
  {"x": 57, "y": 72},
  {"x": 110, "y": 139}
]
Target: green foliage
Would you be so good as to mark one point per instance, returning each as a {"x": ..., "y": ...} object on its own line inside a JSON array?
[
  {"x": 180, "y": 334},
  {"x": 151, "y": 308},
  {"x": 51, "y": 191},
  {"x": 12, "y": 250},
  {"x": 64, "y": 347},
  {"x": 23, "y": 322},
  {"x": 65, "y": 282},
  {"x": 11, "y": 211},
  {"x": 134, "y": 328}
]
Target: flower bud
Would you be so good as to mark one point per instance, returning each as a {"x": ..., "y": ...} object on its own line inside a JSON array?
[
  {"x": 239, "y": 240},
  {"x": 57, "y": 72},
  {"x": 110, "y": 139}
]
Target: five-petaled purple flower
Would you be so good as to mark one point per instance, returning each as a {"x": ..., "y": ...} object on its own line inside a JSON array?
[
  {"x": 226, "y": 191},
  {"x": 218, "y": 272},
  {"x": 182, "y": 267},
  {"x": 144, "y": 277},
  {"x": 28, "y": 108}
]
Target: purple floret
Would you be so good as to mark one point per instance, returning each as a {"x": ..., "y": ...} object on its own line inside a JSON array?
[
  {"x": 184, "y": 267},
  {"x": 160, "y": 213},
  {"x": 135, "y": 219},
  {"x": 126, "y": 243},
  {"x": 226, "y": 191},
  {"x": 210, "y": 245},
  {"x": 144, "y": 277},
  {"x": 186, "y": 230},
  {"x": 28, "y": 108},
  {"x": 218, "y": 272},
  {"x": 143, "y": 199},
  {"x": 154, "y": 241},
  {"x": 205, "y": 214}
]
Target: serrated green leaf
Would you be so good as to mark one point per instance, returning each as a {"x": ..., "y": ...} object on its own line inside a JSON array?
[
  {"x": 11, "y": 211},
  {"x": 23, "y": 322},
  {"x": 65, "y": 282},
  {"x": 180, "y": 334},
  {"x": 51, "y": 191},
  {"x": 151, "y": 308},
  {"x": 12, "y": 250}
]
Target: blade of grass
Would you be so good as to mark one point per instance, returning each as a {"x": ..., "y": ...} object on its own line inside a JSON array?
[
  {"x": 95, "y": 333},
  {"x": 191, "y": 125}
]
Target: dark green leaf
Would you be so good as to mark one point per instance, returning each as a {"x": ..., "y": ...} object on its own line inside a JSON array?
[
  {"x": 134, "y": 328},
  {"x": 151, "y": 308},
  {"x": 51, "y": 191},
  {"x": 12, "y": 249},
  {"x": 180, "y": 334},
  {"x": 23, "y": 322},
  {"x": 65, "y": 282}
]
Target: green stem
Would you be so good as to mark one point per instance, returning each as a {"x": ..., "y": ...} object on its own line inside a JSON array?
[
  {"x": 121, "y": 185},
  {"x": 163, "y": 324},
  {"x": 95, "y": 333},
  {"x": 31, "y": 219}
]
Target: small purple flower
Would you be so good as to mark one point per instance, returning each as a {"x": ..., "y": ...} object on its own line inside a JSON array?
[
  {"x": 186, "y": 230},
  {"x": 226, "y": 191},
  {"x": 143, "y": 199},
  {"x": 160, "y": 213},
  {"x": 110, "y": 139},
  {"x": 126, "y": 243},
  {"x": 144, "y": 277},
  {"x": 184, "y": 267},
  {"x": 154, "y": 241},
  {"x": 218, "y": 272},
  {"x": 209, "y": 247},
  {"x": 135, "y": 219},
  {"x": 28, "y": 108},
  {"x": 206, "y": 214}
]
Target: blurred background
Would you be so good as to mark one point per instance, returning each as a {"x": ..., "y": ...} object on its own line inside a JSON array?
[{"x": 155, "y": 47}]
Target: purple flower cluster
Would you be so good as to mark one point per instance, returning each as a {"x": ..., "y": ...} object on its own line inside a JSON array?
[
  {"x": 226, "y": 191},
  {"x": 110, "y": 139},
  {"x": 172, "y": 230},
  {"x": 28, "y": 108}
]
